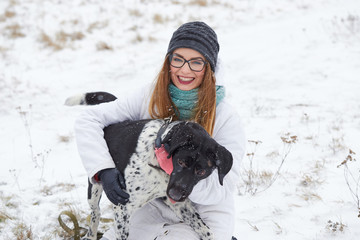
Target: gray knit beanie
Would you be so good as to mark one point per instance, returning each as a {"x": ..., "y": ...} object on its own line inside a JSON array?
[{"x": 198, "y": 36}]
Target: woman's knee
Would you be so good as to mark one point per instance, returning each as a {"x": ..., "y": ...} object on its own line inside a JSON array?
[{"x": 177, "y": 231}]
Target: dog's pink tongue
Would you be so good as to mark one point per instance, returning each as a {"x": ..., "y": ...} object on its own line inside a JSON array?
[
  {"x": 164, "y": 162},
  {"x": 172, "y": 201}
]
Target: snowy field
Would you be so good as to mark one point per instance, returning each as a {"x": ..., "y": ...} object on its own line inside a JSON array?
[{"x": 292, "y": 69}]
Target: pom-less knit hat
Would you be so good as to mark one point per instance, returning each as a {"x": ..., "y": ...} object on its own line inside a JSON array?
[{"x": 198, "y": 36}]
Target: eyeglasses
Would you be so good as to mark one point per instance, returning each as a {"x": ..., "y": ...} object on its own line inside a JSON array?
[{"x": 196, "y": 65}]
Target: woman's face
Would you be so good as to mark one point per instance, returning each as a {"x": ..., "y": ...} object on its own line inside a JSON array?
[{"x": 184, "y": 78}]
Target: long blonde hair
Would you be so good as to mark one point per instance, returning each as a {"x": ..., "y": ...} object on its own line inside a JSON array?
[{"x": 161, "y": 105}]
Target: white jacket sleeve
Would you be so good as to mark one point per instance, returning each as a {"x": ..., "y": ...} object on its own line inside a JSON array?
[
  {"x": 89, "y": 127},
  {"x": 228, "y": 132}
]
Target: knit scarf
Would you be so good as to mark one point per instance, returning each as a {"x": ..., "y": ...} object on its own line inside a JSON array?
[{"x": 186, "y": 101}]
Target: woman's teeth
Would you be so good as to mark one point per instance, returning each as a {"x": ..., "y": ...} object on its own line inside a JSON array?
[{"x": 186, "y": 79}]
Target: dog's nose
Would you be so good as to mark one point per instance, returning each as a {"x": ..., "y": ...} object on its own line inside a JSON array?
[{"x": 177, "y": 195}]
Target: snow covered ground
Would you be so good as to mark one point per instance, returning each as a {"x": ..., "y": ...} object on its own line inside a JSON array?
[{"x": 292, "y": 68}]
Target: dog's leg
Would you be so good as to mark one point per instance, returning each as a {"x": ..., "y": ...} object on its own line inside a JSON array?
[
  {"x": 187, "y": 212},
  {"x": 94, "y": 195},
  {"x": 121, "y": 222}
]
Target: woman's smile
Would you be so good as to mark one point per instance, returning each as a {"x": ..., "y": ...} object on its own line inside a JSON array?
[{"x": 185, "y": 80}]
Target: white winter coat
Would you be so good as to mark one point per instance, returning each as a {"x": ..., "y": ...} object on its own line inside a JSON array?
[{"x": 214, "y": 202}]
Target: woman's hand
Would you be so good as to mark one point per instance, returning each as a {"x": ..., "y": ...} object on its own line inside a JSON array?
[{"x": 113, "y": 183}]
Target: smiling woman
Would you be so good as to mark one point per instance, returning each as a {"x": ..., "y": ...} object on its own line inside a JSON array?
[
  {"x": 193, "y": 91},
  {"x": 185, "y": 89}
]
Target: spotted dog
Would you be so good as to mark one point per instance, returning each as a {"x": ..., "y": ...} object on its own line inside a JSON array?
[{"x": 194, "y": 155}]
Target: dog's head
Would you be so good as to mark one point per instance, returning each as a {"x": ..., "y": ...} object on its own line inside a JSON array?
[{"x": 195, "y": 155}]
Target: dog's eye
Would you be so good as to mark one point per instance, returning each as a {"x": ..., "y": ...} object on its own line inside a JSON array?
[{"x": 200, "y": 172}]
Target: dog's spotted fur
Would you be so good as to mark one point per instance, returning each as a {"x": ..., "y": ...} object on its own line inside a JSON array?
[
  {"x": 131, "y": 144},
  {"x": 144, "y": 183}
]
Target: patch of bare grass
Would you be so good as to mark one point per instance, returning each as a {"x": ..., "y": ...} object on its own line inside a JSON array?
[
  {"x": 352, "y": 178},
  {"x": 103, "y": 46},
  {"x": 310, "y": 180},
  {"x": 309, "y": 195},
  {"x": 4, "y": 217},
  {"x": 254, "y": 180},
  {"x": 7, "y": 15},
  {"x": 61, "y": 39},
  {"x": 61, "y": 187},
  {"x": 335, "y": 227},
  {"x": 344, "y": 28},
  {"x": 135, "y": 13},
  {"x": 97, "y": 26},
  {"x": 22, "y": 232},
  {"x": 62, "y": 36},
  {"x": 202, "y": 3},
  {"x": 8, "y": 201},
  {"x": 48, "y": 42},
  {"x": 3, "y": 50},
  {"x": 14, "y": 31},
  {"x": 159, "y": 19}
]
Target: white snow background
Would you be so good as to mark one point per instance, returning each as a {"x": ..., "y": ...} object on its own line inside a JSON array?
[{"x": 292, "y": 68}]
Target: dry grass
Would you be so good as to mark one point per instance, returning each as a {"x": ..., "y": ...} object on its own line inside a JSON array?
[
  {"x": 256, "y": 181},
  {"x": 308, "y": 180},
  {"x": 309, "y": 195},
  {"x": 96, "y": 26},
  {"x": 337, "y": 144},
  {"x": 135, "y": 13},
  {"x": 352, "y": 178},
  {"x": 61, "y": 187},
  {"x": 3, "y": 50},
  {"x": 7, "y": 14},
  {"x": 4, "y": 216},
  {"x": 202, "y": 3},
  {"x": 61, "y": 40},
  {"x": 138, "y": 38},
  {"x": 14, "y": 31},
  {"x": 8, "y": 201},
  {"x": 345, "y": 27},
  {"x": 49, "y": 42},
  {"x": 335, "y": 227},
  {"x": 158, "y": 18},
  {"x": 278, "y": 229},
  {"x": 103, "y": 46},
  {"x": 64, "y": 37},
  {"x": 22, "y": 232}
]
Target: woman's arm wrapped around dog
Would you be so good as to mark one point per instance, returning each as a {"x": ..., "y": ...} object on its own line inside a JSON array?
[
  {"x": 229, "y": 133},
  {"x": 89, "y": 127}
]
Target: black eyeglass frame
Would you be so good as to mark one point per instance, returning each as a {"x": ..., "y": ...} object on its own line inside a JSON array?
[{"x": 186, "y": 61}]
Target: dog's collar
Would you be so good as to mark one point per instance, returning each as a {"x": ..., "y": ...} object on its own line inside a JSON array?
[
  {"x": 161, "y": 131},
  {"x": 162, "y": 156}
]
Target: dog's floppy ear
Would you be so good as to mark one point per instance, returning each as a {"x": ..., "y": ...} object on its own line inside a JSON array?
[
  {"x": 174, "y": 139},
  {"x": 224, "y": 161}
]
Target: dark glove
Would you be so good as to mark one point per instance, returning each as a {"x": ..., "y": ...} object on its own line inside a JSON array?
[{"x": 113, "y": 184}]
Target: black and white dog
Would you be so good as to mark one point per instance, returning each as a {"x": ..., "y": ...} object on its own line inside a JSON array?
[{"x": 131, "y": 144}]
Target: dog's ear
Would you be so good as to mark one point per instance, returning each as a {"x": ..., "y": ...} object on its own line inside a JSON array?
[
  {"x": 174, "y": 139},
  {"x": 224, "y": 161}
]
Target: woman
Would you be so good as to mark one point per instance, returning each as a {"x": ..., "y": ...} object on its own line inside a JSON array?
[{"x": 185, "y": 89}]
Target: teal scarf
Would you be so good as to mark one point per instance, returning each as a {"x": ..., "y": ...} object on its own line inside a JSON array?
[{"x": 186, "y": 101}]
